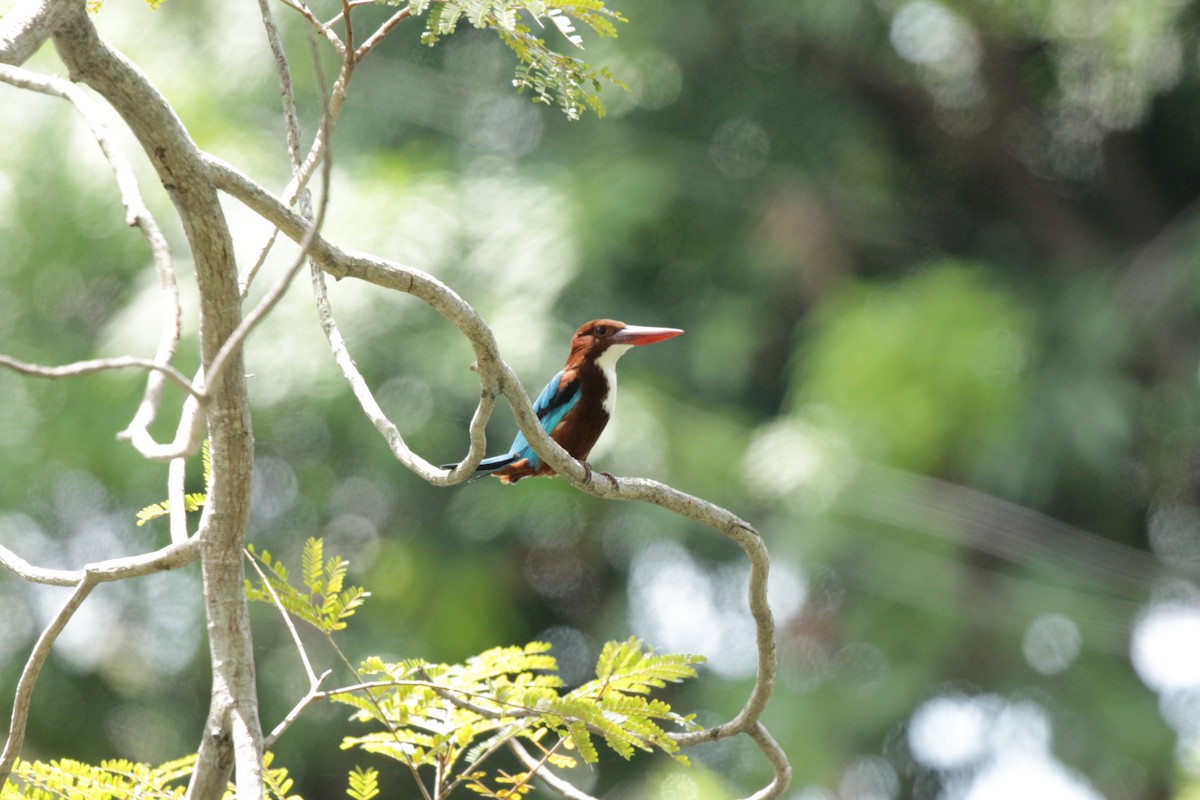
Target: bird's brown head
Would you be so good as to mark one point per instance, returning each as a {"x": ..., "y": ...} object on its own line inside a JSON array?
[{"x": 594, "y": 337}]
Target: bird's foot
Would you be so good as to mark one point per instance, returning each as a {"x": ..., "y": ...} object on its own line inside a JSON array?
[{"x": 587, "y": 469}]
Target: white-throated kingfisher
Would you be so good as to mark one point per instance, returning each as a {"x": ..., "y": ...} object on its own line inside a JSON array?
[{"x": 578, "y": 402}]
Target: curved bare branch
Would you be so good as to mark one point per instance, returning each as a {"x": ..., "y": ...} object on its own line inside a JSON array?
[
  {"x": 84, "y": 580},
  {"x": 496, "y": 379}
]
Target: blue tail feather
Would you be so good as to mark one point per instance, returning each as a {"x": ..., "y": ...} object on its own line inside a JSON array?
[{"x": 489, "y": 464}]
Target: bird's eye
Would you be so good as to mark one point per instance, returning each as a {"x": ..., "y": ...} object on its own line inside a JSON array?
[{"x": 601, "y": 330}]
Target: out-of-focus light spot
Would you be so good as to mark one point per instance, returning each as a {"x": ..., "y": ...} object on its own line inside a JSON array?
[
  {"x": 16, "y": 625},
  {"x": 929, "y": 34},
  {"x": 1166, "y": 647},
  {"x": 1181, "y": 710},
  {"x": 815, "y": 793},
  {"x": 1020, "y": 728},
  {"x": 365, "y": 496},
  {"x": 1174, "y": 533},
  {"x": 502, "y": 124},
  {"x": 274, "y": 490},
  {"x": 740, "y": 148},
  {"x": 408, "y": 402},
  {"x": 354, "y": 537},
  {"x": 679, "y": 786},
  {"x": 787, "y": 591},
  {"x": 657, "y": 80},
  {"x": 949, "y": 732},
  {"x": 21, "y": 534},
  {"x": 88, "y": 639},
  {"x": 1051, "y": 643},
  {"x": 681, "y": 606},
  {"x": 1030, "y": 777},
  {"x": 798, "y": 462},
  {"x": 560, "y": 575},
  {"x": 870, "y": 778},
  {"x": 574, "y": 652},
  {"x": 988, "y": 748}
]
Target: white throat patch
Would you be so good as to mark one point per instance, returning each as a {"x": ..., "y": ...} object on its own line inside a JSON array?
[{"x": 607, "y": 362}]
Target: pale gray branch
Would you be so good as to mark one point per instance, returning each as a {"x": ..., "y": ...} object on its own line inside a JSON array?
[
  {"x": 287, "y": 621},
  {"x": 778, "y": 760},
  {"x": 98, "y": 365},
  {"x": 382, "y": 31},
  {"x": 176, "y": 472},
  {"x": 29, "y": 676},
  {"x": 26, "y": 26},
  {"x": 173, "y": 556},
  {"x": 232, "y": 732},
  {"x": 565, "y": 788},
  {"x": 136, "y": 214},
  {"x": 497, "y": 378},
  {"x": 291, "y": 127},
  {"x": 313, "y": 695}
]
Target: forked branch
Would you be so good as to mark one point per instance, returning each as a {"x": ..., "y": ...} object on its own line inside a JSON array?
[{"x": 497, "y": 379}]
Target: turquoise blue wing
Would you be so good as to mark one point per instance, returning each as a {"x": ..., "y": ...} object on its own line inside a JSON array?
[{"x": 551, "y": 406}]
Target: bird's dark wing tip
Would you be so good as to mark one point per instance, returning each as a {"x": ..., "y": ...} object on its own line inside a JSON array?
[{"x": 488, "y": 464}]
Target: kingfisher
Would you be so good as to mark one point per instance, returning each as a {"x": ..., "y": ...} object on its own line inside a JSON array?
[{"x": 577, "y": 402}]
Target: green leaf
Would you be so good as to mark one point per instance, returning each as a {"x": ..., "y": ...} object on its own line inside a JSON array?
[
  {"x": 364, "y": 784},
  {"x": 552, "y": 77},
  {"x": 441, "y": 716},
  {"x": 326, "y": 605},
  {"x": 191, "y": 502}
]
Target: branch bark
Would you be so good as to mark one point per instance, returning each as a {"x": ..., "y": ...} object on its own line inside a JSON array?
[
  {"x": 233, "y": 732},
  {"x": 497, "y": 379},
  {"x": 218, "y": 395}
]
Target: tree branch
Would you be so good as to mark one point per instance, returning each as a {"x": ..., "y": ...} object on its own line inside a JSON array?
[
  {"x": 565, "y": 788},
  {"x": 233, "y": 727},
  {"x": 172, "y": 557},
  {"x": 497, "y": 378},
  {"x": 29, "y": 676},
  {"x": 778, "y": 759},
  {"x": 25, "y": 27},
  {"x": 94, "y": 365},
  {"x": 136, "y": 214}
]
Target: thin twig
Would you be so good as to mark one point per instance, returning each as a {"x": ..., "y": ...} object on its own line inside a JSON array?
[
  {"x": 29, "y": 675},
  {"x": 778, "y": 760},
  {"x": 348, "y": 24},
  {"x": 287, "y": 620},
  {"x": 171, "y": 557},
  {"x": 497, "y": 378},
  {"x": 136, "y": 214},
  {"x": 94, "y": 365},
  {"x": 312, "y": 696},
  {"x": 382, "y": 31},
  {"x": 34, "y": 574},
  {"x": 268, "y": 302},
  {"x": 322, "y": 28},
  {"x": 565, "y": 788},
  {"x": 189, "y": 434}
]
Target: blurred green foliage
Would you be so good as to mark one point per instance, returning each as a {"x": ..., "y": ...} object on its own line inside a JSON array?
[{"x": 916, "y": 246}]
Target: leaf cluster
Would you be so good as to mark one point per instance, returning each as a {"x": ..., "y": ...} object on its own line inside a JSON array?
[
  {"x": 453, "y": 717},
  {"x": 118, "y": 779},
  {"x": 191, "y": 502},
  {"x": 112, "y": 780},
  {"x": 554, "y": 78},
  {"x": 327, "y": 603}
]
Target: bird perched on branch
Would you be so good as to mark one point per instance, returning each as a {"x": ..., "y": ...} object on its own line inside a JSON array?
[{"x": 578, "y": 402}]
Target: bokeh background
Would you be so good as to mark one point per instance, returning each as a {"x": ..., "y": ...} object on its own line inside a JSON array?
[{"x": 937, "y": 263}]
